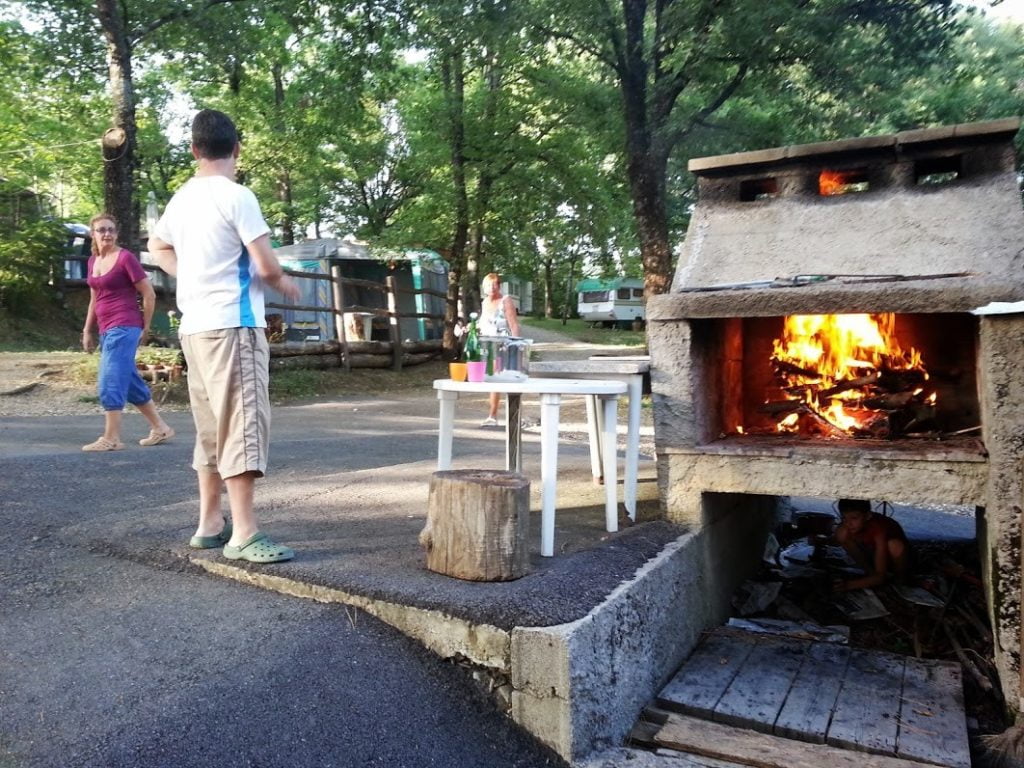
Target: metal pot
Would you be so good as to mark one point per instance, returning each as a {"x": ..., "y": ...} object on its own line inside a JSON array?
[{"x": 508, "y": 357}]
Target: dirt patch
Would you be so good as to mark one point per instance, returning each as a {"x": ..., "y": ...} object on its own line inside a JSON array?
[{"x": 48, "y": 384}]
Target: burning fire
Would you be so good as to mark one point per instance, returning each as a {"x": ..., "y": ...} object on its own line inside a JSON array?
[
  {"x": 847, "y": 375},
  {"x": 832, "y": 183}
]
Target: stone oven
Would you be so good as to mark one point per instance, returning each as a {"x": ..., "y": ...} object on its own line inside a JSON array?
[{"x": 820, "y": 339}]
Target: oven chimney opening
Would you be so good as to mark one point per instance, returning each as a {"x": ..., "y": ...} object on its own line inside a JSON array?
[{"x": 832, "y": 183}]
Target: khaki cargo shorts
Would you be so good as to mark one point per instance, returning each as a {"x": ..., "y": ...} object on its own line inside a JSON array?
[{"x": 228, "y": 378}]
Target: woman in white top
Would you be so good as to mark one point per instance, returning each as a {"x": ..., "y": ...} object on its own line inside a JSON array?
[{"x": 497, "y": 318}]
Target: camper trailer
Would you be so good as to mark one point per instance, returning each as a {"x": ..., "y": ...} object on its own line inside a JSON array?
[
  {"x": 414, "y": 271},
  {"x": 615, "y": 301}
]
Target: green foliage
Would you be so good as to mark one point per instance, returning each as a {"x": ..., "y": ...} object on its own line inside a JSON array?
[
  {"x": 343, "y": 129},
  {"x": 30, "y": 252}
]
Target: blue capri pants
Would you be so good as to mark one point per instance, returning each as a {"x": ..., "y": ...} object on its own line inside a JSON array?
[{"x": 119, "y": 381}]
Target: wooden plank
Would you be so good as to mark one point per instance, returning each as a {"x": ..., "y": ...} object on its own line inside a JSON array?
[
  {"x": 670, "y": 758},
  {"x": 932, "y": 725},
  {"x": 757, "y": 692},
  {"x": 700, "y": 683},
  {"x": 309, "y": 275},
  {"x": 812, "y": 697},
  {"x": 867, "y": 708},
  {"x": 299, "y": 307},
  {"x": 761, "y": 750}
]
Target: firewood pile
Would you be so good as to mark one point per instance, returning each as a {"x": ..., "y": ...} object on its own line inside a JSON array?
[
  {"x": 886, "y": 403},
  {"x": 842, "y": 376}
]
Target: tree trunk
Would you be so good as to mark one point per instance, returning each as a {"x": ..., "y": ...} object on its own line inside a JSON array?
[
  {"x": 647, "y": 170},
  {"x": 493, "y": 76},
  {"x": 284, "y": 195},
  {"x": 477, "y": 525},
  {"x": 569, "y": 293},
  {"x": 451, "y": 312},
  {"x": 476, "y": 244},
  {"x": 119, "y": 142},
  {"x": 284, "y": 179},
  {"x": 549, "y": 288},
  {"x": 453, "y": 79}
]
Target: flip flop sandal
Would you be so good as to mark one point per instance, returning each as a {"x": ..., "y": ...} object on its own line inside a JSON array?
[
  {"x": 210, "y": 542},
  {"x": 259, "y": 549},
  {"x": 102, "y": 444},
  {"x": 155, "y": 437}
]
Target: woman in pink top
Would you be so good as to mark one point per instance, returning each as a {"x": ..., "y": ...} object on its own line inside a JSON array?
[{"x": 115, "y": 280}]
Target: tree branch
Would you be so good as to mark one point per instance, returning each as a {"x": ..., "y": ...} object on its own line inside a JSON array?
[
  {"x": 175, "y": 15},
  {"x": 667, "y": 88},
  {"x": 597, "y": 53},
  {"x": 620, "y": 64},
  {"x": 713, "y": 106}
]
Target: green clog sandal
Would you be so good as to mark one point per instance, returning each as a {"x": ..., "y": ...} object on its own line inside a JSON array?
[
  {"x": 211, "y": 542},
  {"x": 259, "y": 549}
]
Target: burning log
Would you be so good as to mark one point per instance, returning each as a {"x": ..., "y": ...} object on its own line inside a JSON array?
[
  {"x": 890, "y": 402},
  {"x": 813, "y": 423},
  {"x": 847, "y": 384},
  {"x": 780, "y": 407},
  {"x": 893, "y": 380},
  {"x": 879, "y": 429},
  {"x": 784, "y": 368},
  {"x": 918, "y": 415}
]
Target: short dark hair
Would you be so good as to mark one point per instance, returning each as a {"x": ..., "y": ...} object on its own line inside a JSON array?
[
  {"x": 854, "y": 505},
  {"x": 213, "y": 134}
]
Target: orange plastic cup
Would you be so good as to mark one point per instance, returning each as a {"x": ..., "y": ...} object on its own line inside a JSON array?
[{"x": 457, "y": 371}]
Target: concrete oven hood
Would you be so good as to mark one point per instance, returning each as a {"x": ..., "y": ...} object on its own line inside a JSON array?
[{"x": 942, "y": 203}]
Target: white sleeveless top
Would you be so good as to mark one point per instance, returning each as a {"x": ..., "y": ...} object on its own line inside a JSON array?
[{"x": 497, "y": 323}]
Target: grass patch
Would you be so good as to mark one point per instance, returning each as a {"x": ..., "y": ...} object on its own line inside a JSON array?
[
  {"x": 582, "y": 331},
  {"x": 83, "y": 371},
  {"x": 299, "y": 385}
]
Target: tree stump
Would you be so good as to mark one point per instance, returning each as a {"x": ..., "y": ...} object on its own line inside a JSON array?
[{"x": 477, "y": 525}]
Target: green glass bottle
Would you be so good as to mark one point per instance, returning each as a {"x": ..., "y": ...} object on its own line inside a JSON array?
[{"x": 472, "y": 349}]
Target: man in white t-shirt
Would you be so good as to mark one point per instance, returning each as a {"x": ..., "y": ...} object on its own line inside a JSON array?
[{"x": 213, "y": 238}]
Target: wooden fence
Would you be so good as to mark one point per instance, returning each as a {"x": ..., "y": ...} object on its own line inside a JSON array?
[{"x": 393, "y": 353}]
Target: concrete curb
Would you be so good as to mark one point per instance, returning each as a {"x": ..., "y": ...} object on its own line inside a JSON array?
[{"x": 447, "y": 636}]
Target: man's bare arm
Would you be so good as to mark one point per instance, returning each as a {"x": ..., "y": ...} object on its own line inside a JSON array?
[
  {"x": 269, "y": 268},
  {"x": 164, "y": 254}
]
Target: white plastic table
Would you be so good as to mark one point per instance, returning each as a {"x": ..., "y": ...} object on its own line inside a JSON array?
[
  {"x": 630, "y": 370},
  {"x": 551, "y": 392}
]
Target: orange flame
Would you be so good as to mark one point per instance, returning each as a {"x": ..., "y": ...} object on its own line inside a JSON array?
[
  {"x": 831, "y": 183},
  {"x": 832, "y": 364}
]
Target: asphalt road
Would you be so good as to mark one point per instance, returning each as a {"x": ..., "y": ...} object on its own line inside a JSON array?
[{"x": 113, "y": 653}]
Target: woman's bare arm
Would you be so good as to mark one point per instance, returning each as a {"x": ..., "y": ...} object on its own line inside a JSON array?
[
  {"x": 90, "y": 320},
  {"x": 511, "y": 316},
  {"x": 145, "y": 289}
]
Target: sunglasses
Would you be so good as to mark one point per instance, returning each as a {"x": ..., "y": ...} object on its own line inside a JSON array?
[{"x": 105, "y": 230}]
